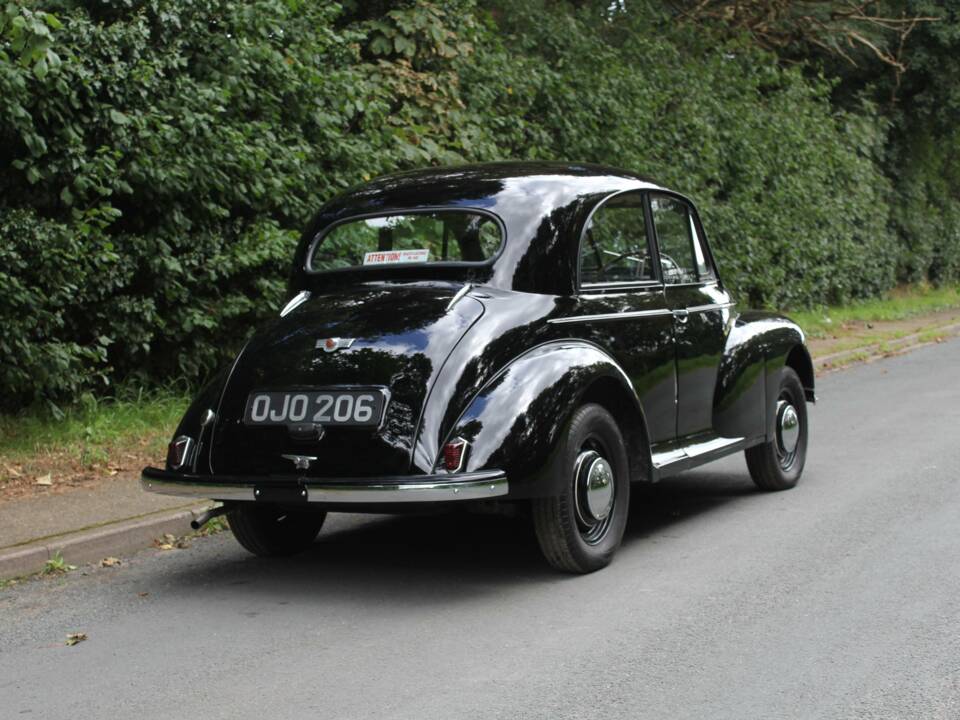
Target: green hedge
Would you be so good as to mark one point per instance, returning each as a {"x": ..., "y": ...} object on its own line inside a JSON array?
[{"x": 158, "y": 158}]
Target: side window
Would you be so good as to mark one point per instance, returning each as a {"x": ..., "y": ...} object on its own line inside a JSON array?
[
  {"x": 682, "y": 257},
  {"x": 614, "y": 247}
]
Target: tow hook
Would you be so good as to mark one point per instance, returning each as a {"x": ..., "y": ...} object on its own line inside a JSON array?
[{"x": 207, "y": 516}]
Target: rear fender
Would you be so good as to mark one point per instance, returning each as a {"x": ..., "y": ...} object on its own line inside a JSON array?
[
  {"x": 517, "y": 420},
  {"x": 192, "y": 423}
]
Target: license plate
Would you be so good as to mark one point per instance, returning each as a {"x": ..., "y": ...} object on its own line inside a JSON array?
[{"x": 357, "y": 408}]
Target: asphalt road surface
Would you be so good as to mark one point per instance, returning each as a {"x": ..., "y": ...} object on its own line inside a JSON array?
[{"x": 839, "y": 599}]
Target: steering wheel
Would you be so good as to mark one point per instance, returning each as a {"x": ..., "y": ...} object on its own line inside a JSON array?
[{"x": 671, "y": 269}]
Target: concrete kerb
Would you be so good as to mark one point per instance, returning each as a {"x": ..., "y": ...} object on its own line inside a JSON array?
[{"x": 94, "y": 544}]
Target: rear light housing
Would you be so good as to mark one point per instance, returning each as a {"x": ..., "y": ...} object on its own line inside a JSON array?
[
  {"x": 179, "y": 452},
  {"x": 455, "y": 454}
]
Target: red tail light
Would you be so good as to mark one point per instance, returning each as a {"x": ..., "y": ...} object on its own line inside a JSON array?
[
  {"x": 179, "y": 451},
  {"x": 454, "y": 454}
]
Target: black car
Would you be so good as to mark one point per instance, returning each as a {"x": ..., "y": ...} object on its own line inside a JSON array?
[{"x": 534, "y": 334}]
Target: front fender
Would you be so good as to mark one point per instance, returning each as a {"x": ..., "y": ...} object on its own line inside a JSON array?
[
  {"x": 517, "y": 419},
  {"x": 748, "y": 381}
]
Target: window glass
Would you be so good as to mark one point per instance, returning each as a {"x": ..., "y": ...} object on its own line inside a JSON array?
[
  {"x": 680, "y": 256},
  {"x": 614, "y": 247},
  {"x": 445, "y": 236}
]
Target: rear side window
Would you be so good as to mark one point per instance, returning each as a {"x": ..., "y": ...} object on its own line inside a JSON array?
[
  {"x": 683, "y": 258},
  {"x": 408, "y": 239},
  {"x": 614, "y": 247}
]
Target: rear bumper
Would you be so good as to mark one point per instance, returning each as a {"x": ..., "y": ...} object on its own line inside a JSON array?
[{"x": 347, "y": 491}]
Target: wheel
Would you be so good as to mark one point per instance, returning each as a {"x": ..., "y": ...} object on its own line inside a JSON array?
[
  {"x": 269, "y": 530},
  {"x": 777, "y": 464},
  {"x": 580, "y": 529}
]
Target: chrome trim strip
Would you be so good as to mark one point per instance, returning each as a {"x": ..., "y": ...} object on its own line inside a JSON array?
[
  {"x": 713, "y": 306},
  {"x": 610, "y": 316},
  {"x": 299, "y": 299},
  {"x": 460, "y": 293},
  {"x": 433, "y": 488},
  {"x": 638, "y": 285},
  {"x": 668, "y": 457}
]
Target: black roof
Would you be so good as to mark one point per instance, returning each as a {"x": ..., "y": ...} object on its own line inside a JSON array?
[{"x": 539, "y": 203}]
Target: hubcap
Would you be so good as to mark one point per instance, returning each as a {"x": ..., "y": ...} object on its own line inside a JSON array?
[
  {"x": 789, "y": 426},
  {"x": 594, "y": 493},
  {"x": 599, "y": 490}
]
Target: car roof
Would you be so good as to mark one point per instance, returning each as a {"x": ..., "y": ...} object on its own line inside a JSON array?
[{"x": 539, "y": 203}]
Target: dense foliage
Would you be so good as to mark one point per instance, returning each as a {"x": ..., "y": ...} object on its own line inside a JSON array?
[{"x": 158, "y": 158}]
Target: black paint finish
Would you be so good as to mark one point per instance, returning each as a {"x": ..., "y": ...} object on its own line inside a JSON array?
[{"x": 504, "y": 364}]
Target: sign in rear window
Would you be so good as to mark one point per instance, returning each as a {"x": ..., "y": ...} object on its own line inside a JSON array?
[{"x": 448, "y": 236}]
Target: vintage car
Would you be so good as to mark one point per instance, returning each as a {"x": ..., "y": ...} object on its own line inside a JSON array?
[{"x": 525, "y": 335}]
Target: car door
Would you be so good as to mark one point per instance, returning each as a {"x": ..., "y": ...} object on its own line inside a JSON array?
[
  {"x": 700, "y": 306},
  {"x": 621, "y": 307}
]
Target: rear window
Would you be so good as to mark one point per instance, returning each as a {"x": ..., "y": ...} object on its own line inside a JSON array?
[{"x": 447, "y": 236}]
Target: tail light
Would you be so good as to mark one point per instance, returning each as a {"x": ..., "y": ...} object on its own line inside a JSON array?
[
  {"x": 179, "y": 452},
  {"x": 455, "y": 454}
]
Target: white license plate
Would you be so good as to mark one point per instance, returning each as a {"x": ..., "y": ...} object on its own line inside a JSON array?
[{"x": 333, "y": 407}]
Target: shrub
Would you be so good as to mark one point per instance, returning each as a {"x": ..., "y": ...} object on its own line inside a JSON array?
[{"x": 158, "y": 158}]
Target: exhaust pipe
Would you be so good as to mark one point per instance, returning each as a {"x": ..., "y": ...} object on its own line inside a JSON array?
[{"x": 206, "y": 517}]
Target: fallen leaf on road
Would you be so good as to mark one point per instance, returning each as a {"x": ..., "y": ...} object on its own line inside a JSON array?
[
  {"x": 77, "y": 637},
  {"x": 12, "y": 472},
  {"x": 44, "y": 480},
  {"x": 109, "y": 562},
  {"x": 171, "y": 542},
  {"x": 142, "y": 594}
]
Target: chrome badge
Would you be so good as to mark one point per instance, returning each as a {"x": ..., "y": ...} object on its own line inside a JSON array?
[
  {"x": 300, "y": 462},
  {"x": 332, "y": 344}
]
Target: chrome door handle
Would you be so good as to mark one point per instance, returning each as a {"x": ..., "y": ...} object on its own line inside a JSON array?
[{"x": 681, "y": 315}]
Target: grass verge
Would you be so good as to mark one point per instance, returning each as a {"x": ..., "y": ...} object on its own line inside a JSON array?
[
  {"x": 902, "y": 303},
  {"x": 93, "y": 438}
]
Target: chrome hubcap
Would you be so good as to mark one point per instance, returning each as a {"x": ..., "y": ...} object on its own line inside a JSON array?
[
  {"x": 594, "y": 494},
  {"x": 788, "y": 426},
  {"x": 599, "y": 490}
]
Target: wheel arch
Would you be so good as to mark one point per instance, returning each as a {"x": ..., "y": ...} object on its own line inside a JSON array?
[
  {"x": 758, "y": 347},
  {"x": 515, "y": 421},
  {"x": 609, "y": 394},
  {"x": 799, "y": 359}
]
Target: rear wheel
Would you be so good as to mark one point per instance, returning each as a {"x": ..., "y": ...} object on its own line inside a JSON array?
[
  {"x": 580, "y": 529},
  {"x": 778, "y": 464},
  {"x": 269, "y": 530}
]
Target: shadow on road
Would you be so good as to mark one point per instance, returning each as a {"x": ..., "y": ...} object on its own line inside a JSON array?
[{"x": 445, "y": 557}]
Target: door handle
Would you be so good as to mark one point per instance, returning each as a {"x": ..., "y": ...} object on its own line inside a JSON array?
[{"x": 681, "y": 315}]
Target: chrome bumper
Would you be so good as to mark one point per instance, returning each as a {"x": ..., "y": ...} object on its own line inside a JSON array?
[{"x": 417, "y": 488}]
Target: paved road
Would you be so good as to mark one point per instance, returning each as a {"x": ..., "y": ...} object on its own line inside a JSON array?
[{"x": 839, "y": 599}]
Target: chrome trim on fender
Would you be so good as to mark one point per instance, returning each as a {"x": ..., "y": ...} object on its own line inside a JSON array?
[
  {"x": 299, "y": 299},
  {"x": 460, "y": 293},
  {"x": 610, "y": 316},
  {"x": 427, "y": 488}
]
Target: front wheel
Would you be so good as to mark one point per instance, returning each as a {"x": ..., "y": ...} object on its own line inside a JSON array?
[
  {"x": 269, "y": 530},
  {"x": 580, "y": 529},
  {"x": 777, "y": 464}
]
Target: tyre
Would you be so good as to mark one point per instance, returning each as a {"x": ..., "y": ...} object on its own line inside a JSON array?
[
  {"x": 580, "y": 529},
  {"x": 777, "y": 464},
  {"x": 269, "y": 530}
]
